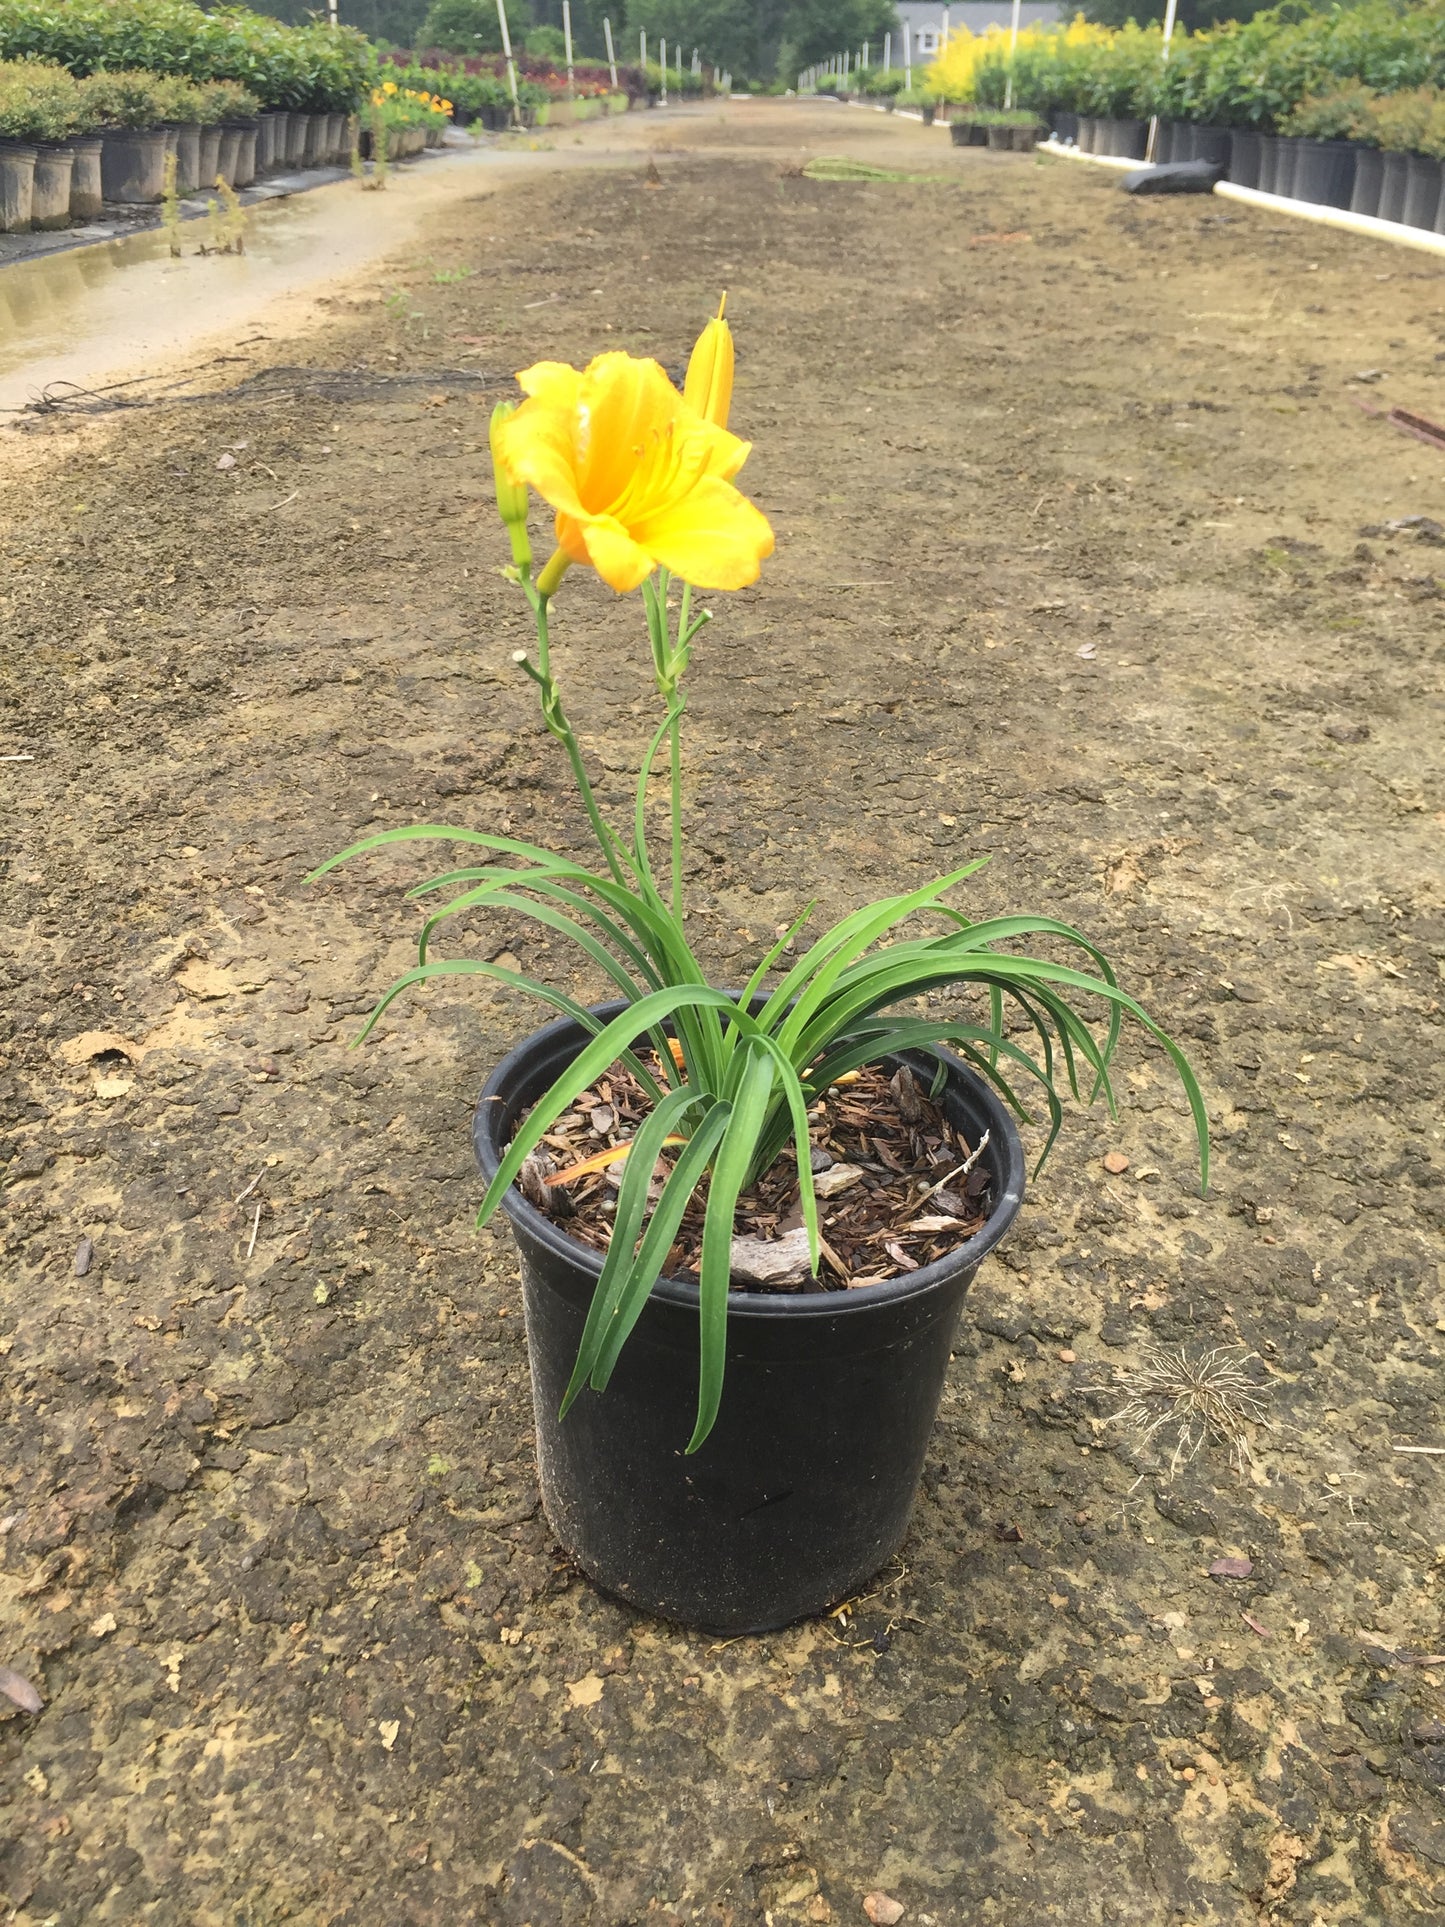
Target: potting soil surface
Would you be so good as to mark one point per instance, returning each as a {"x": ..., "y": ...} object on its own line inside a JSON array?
[{"x": 1091, "y": 557}]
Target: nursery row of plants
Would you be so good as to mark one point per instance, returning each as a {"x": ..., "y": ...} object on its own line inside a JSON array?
[
  {"x": 479, "y": 87},
  {"x": 69, "y": 144}
]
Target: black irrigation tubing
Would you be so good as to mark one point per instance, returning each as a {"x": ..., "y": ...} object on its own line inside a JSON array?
[{"x": 270, "y": 385}]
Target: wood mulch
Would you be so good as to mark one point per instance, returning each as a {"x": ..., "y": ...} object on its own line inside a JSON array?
[{"x": 898, "y": 1186}]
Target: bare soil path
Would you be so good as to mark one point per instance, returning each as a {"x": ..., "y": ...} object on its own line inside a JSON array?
[{"x": 1069, "y": 494}]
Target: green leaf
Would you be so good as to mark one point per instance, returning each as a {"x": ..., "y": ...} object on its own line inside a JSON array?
[
  {"x": 647, "y": 1144},
  {"x": 729, "y": 1173},
  {"x": 606, "y": 1047},
  {"x": 657, "y": 1241}
]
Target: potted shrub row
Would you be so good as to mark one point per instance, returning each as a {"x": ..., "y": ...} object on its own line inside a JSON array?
[{"x": 1005, "y": 129}]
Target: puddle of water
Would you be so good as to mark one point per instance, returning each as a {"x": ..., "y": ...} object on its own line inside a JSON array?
[{"x": 125, "y": 306}]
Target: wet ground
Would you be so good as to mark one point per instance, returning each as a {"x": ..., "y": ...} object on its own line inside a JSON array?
[{"x": 1084, "y": 560}]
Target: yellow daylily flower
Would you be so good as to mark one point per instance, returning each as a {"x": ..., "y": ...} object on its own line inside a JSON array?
[
  {"x": 708, "y": 388},
  {"x": 637, "y": 478}
]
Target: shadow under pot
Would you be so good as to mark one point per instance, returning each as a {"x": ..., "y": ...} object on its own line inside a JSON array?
[
  {"x": 50, "y": 196},
  {"x": 1244, "y": 157},
  {"x": 1422, "y": 192},
  {"x": 86, "y": 194},
  {"x": 1324, "y": 173},
  {"x": 133, "y": 165},
  {"x": 17, "y": 186},
  {"x": 804, "y": 1487}
]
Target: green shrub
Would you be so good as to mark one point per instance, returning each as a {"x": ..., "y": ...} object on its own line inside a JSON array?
[
  {"x": 314, "y": 68},
  {"x": 1401, "y": 122},
  {"x": 1344, "y": 114},
  {"x": 39, "y": 101},
  {"x": 126, "y": 99},
  {"x": 180, "y": 100},
  {"x": 544, "y": 43},
  {"x": 470, "y": 26},
  {"x": 220, "y": 100}
]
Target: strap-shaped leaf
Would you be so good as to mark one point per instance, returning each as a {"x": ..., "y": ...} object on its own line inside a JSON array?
[
  {"x": 609, "y": 1044},
  {"x": 729, "y": 1173},
  {"x": 647, "y": 1146},
  {"x": 657, "y": 1240}
]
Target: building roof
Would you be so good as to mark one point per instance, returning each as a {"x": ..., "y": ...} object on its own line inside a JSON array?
[{"x": 979, "y": 15}]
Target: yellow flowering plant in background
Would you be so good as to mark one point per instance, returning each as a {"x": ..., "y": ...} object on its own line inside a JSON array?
[{"x": 641, "y": 482}]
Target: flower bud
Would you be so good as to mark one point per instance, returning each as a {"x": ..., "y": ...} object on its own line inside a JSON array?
[
  {"x": 708, "y": 389},
  {"x": 511, "y": 495}
]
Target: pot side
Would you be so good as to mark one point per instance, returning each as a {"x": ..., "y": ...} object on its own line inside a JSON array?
[{"x": 804, "y": 1487}]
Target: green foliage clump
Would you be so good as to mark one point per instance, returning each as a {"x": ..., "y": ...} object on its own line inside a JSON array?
[
  {"x": 39, "y": 101},
  {"x": 315, "y": 68},
  {"x": 130, "y": 98},
  {"x": 470, "y": 27}
]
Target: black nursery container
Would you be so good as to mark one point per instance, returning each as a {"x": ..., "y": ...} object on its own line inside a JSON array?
[
  {"x": 1244, "y": 157},
  {"x": 1394, "y": 176},
  {"x": 1325, "y": 173},
  {"x": 1369, "y": 181},
  {"x": 1422, "y": 191},
  {"x": 804, "y": 1487}
]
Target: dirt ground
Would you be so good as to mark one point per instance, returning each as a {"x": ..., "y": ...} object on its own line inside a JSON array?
[{"x": 1070, "y": 494}]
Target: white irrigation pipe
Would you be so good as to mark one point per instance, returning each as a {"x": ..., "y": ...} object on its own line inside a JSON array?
[
  {"x": 1336, "y": 217},
  {"x": 611, "y": 56},
  {"x": 1013, "y": 41},
  {"x": 567, "y": 37},
  {"x": 1169, "y": 12},
  {"x": 507, "y": 50}
]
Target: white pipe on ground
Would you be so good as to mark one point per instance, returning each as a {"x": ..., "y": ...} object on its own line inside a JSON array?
[{"x": 1337, "y": 217}]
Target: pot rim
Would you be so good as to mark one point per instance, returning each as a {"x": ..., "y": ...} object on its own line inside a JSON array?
[{"x": 1003, "y": 1133}]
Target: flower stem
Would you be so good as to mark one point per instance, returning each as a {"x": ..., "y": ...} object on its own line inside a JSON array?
[{"x": 555, "y": 718}]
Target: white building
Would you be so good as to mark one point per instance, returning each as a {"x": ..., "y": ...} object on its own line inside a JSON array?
[{"x": 929, "y": 22}]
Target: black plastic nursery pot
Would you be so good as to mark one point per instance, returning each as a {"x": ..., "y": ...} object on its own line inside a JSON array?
[
  {"x": 1208, "y": 143},
  {"x": 188, "y": 157},
  {"x": 1244, "y": 157},
  {"x": 1393, "y": 180},
  {"x": 1369, "y": 179},
  {"x": 1089, "y": 134},
  {"x": 804, "y": 1487},
  {"x": 1325, "y": 173},
  {"x": 208, "y": 150},
  {"x": 1126, "y": 139},
  {"x": 133, "y": 165},
  {"x": 50, "y": 199},
  {"x": 86, "y": 198},
  {"x": 1422, "y": 191},
  {"x": 1065, "y": 128}
]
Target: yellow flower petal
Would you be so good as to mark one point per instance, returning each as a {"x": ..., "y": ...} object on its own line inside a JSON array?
[{"x": 637, "y": 477}]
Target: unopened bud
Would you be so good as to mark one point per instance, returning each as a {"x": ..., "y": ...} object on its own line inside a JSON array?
[{"x": 511, "y": 494}]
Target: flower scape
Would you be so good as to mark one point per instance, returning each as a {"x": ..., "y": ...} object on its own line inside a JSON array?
[{"x": 642, "y": 483}]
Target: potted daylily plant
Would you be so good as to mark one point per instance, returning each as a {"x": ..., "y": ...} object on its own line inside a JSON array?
[{"x": 746, "y": 1216}]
